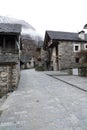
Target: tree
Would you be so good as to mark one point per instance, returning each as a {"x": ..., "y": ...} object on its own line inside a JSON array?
[{"x": 82, "y": 55}]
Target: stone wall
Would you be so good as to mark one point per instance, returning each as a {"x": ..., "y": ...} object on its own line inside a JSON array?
[
  {"x": 67, "y": 55},
  {"x": 15, "y": 75},
  {"x": 53, "y": 59},
  {"x": 9, "y": 77}
]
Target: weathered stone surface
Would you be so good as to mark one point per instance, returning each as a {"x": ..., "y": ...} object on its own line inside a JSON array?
[
  {"x": 9, "y": 55},
  {"x": 8, "y": 76},
  {"x": 67, "y": 55},
  {"x": 3, "y": 74},
  {"x": 8, "y": 58}
]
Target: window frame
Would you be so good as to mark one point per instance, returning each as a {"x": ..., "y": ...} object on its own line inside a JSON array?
[
  {"x": 79, "y": 47},
  {"x": 85, "y": 46}
]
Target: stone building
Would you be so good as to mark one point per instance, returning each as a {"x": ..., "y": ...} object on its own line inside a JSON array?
[
  {"x": 63, "y": 47},
  {"x": 28, "y": 53},
  {"x": 9, "y": 57}
]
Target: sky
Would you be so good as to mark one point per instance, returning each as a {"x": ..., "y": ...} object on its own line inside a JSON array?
[{"x": 57, "y": 15}]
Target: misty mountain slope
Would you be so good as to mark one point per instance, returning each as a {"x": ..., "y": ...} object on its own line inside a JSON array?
[{"x": 25, "y": 25}]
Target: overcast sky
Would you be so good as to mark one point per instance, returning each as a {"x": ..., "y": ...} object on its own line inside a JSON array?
[{"x": 58, "y": 15}]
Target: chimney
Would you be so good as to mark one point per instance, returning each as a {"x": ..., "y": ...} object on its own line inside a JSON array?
[
  {"x": 85, "y": 26},
  {"x": 81, "y": 35}
]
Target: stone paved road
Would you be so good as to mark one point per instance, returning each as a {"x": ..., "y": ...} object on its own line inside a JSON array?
[
  {"x": 75, "y": 81},
  {"x": 44, "y": 103}
]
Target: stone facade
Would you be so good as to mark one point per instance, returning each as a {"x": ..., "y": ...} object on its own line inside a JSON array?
[
  {"x": 67, "y": 54},
  {"x": 53, "y": 59},
  {"x": 9, "y": 77},
  {"x": 63, "y": 48},
  {"x": 28, "y": 53},
  {"x": 9, "y": 57}
]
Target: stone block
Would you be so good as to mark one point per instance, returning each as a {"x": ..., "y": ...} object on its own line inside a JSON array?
[
  {"x": 3, "y": 84},
  {"x": 1, "y": 69},
  {"x": 3, "y": 75}
]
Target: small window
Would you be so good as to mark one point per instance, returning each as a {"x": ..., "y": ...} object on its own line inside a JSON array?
[
  {"x": 85, "y": 46},
  {"x": 76, "y": 47},
  {"x": 77, "y": 60},
  {"x": 10, "y": 42},
  {"x": 1, "y": 41}
]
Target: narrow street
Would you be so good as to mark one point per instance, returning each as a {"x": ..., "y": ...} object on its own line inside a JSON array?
[{"x": 42, "y": 102}]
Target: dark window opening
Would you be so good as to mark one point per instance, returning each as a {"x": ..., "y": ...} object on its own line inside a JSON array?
[
  {"x": 77, "y": 60},
  {"x": 1, "y": 42},
  {"x": 10, "y": 42},
  {"x": 76, "y": 48},
  {"x": 29, "y": 62},
  {"x": 86, "y": 46}
]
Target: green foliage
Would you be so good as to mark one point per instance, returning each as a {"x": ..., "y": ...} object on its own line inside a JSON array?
[
  {"x": 83, "y": 71},
  {"x": 82, "y": 55},
  {"x": 39, "y": 68}
]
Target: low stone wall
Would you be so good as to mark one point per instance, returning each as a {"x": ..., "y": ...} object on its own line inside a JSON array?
[
  {"x": 82, "y": 71},
  {"x": 9, "y": 77}
]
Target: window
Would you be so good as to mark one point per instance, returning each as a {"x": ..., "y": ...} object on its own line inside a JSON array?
[
  {"x": 9, "y": 42},
  {"x": 1, "y": 41},
  {"x": 77, "y": 60},
  {"x": 85, "y": 46},
  {"x": 76, "y": 47}
]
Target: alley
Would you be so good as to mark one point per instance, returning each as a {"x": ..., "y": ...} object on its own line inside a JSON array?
[{"x": 42, "y": 102}]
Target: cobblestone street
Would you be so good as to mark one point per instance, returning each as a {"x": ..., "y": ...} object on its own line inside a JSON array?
[{"x": 43, "y": 102}]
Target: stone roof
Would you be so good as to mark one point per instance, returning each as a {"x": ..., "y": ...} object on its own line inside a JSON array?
[
  {"x": 10, "y": 28},
  {"x": 67, "y": 36}
]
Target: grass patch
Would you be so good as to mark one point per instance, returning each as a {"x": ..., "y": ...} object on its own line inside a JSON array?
[{"x": 39, "y": 68}]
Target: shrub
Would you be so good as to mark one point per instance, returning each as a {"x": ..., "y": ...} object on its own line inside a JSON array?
[
  {"x": 39, "y": 68},
  {"x": 82, "y": 55}
]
